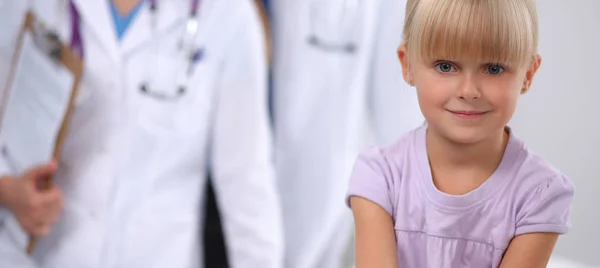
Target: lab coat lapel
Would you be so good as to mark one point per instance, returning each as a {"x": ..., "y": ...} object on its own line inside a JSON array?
[
  {"x": 95, "y": 17},
  {"x": 169, "y": 14}
]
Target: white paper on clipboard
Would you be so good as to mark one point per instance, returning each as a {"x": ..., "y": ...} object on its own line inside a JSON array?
[{"x": 35, "y": 109}]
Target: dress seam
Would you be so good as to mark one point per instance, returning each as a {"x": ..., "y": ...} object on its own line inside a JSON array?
[{"x": 449, "y": 237}]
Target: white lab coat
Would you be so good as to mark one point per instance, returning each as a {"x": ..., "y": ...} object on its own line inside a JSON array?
[
  {"x": 133, "y": 169},
  {"x": 323, "y": 101}
]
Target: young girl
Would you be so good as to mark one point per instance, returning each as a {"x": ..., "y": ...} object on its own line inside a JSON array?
[{"x": 462, "y": 190}]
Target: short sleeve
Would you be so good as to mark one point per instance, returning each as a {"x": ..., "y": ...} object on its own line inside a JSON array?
[
  {"x": 548, "y": 208},
  {"x": 371, "y": 179}
]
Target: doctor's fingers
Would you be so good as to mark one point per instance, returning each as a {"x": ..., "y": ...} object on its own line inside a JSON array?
[
  {"x": 46, "y": 216},
  {"x": 40, "y": 224},
  {"x": 50, "y": 199},
  {"x": 49, "y": 216},
  {"x": 43, "y": 203},
  {"x": 39, "y": 229},
  {"x": 38, "y": 201},
  {"x": 41, "y": 172}
]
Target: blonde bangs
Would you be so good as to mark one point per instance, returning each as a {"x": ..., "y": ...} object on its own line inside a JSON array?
[{"x": 492, "y": 31}]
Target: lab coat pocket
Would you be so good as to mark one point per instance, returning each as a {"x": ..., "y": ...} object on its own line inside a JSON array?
[
  {"x": 164, "y": 239},
  {"x": 333, "y": 25},
  {"x": 73, "y": 241},
  {"x": 177, "y": 115}
]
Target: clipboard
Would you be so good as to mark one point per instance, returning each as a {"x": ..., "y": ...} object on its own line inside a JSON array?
[{"x": 49, "y": 43}]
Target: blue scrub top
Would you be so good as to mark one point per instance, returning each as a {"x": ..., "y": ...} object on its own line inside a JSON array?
[{"x": 122, "y": 21}]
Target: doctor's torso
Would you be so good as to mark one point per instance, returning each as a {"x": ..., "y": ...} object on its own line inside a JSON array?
[{"x": 132, "y": 163}]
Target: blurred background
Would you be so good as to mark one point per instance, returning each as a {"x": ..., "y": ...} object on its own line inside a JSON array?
[{"x": 336, "y": 88}]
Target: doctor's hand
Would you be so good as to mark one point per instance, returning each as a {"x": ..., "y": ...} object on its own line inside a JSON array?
[{"x": 35, "y": 205}]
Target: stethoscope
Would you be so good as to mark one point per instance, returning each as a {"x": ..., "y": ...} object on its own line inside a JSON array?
[
  {"x": 191, "y": 52},
  {"x": 349, "y": 10}
]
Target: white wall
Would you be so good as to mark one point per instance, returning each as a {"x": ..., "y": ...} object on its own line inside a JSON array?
[
  {"x": 560, "y": 117},
  {"x": 560, "y": 262}
]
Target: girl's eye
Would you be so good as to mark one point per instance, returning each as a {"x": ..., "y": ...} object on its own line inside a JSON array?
[
  {"x": 444, "y": 67},
  {"x": 494, "y": 69}
]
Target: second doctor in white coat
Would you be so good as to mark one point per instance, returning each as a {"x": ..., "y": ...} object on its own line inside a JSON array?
[
  {"x": 134, "y": 166},
  {"x": 335, "y": 75}
]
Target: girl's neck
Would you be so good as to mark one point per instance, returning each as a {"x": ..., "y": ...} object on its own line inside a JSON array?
[{"x": 448, "y": 155}]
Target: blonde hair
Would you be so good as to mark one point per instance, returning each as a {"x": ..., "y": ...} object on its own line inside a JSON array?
[{"x": 494, "y": 31}]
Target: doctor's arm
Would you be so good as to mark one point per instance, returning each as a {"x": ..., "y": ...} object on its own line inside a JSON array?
[
  {"x": 241, "y": 153},
  {"x": 393, "y": 105}
]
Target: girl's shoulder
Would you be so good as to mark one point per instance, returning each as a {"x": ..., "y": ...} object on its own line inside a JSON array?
[
  {"x": 379, "y": 171},
  {"x": 531, "y": 171},
  {"x": 541, "y": 195},
  {"x": 395, "y": 154}
]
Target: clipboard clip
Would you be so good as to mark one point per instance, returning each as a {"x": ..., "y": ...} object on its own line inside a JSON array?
[
  {"x": 48, "y": 40},
  {"x": 55, "y": 45}
]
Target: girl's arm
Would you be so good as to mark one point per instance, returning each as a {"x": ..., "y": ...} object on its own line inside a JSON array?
[
  {"x": 375, "y": 237},
  {"x": 531, "y": 250}
]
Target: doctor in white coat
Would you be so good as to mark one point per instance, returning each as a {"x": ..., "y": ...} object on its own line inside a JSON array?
[
  {"x": 336, "y": 87},
  {"x": 148, "y": 123}
]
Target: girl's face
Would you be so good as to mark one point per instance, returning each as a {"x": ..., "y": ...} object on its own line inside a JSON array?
[{"x": 464, "y": 100}]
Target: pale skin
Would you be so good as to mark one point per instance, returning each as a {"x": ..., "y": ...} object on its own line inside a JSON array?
[{"x": 470, "y": 153}]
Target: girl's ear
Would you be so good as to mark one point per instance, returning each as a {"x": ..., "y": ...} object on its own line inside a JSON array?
[
  {"x": 406, "y": 71},
  {"x": 533, "y": 68}
]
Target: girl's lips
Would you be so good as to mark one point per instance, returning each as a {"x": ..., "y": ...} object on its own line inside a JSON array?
[{"x": 468, "y": 114}]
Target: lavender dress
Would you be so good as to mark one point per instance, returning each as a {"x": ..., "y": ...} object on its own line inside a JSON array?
[{"x": 433, "y": 229}]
